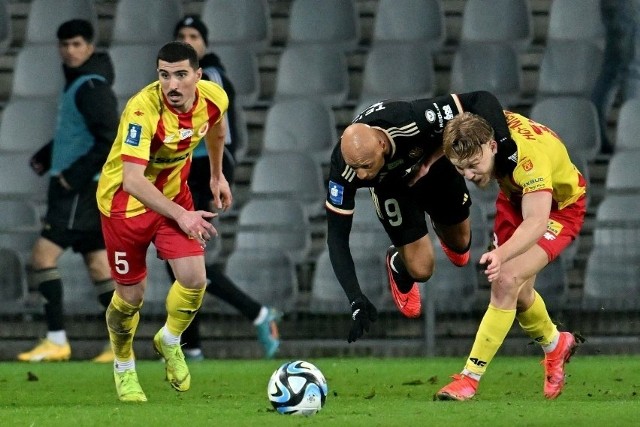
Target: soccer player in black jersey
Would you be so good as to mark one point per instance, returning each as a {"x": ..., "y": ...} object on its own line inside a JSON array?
[{"x": 395, "y": 149}]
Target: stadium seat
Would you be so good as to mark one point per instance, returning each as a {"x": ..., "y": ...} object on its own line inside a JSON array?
[
  {"x": 6, "y": 27},
  {"x": 12, "y": 282},
  {"x": 454, "y": 289},
  {"x": 367, "y": 232},
  {"x": 27, "y": 124},
  {"x": 78, "y": 289},
  {"x": 327, "y": 296},
  {"x": 292, "y": 175},
  {"x": 574, "y": 119},
  {"x": 410, "y": 21},
  {"x": 18, "y": 180},
  {"x": 158, "y": 284},
  {"x": 617, "y": 226},
  {"x": 333, "y": 22},
  {"x": 37, "y": 72},
  {"x": 628, "y": 126},
  {"x": 245, "y": 23},
  {"x": 45, "y": 16},
  {"x": 242, "y": 147},
  {"x": 487, "y": 66},
  {"x": 148, "y": 22},
  {"x": 241, "y": 66},
  {"x": 306, "y": 125},
  {"x": 313, "y": 71},
  {"x": 567, "y": 68},
  {"x": 506, "y": 21},
  {"x": 18, "y": 214},
  {"x": 553, "y": 284},
  {"x": 611, "y": 282},
  {"x": 623, "y": 174},
  {"x": 571, "y": 20},
  {"x": 264, "y": 224},
  {"x": 398, "y": 71},
  {"x": 134, "y": 66},
  {"x": 268, "y": 276}
]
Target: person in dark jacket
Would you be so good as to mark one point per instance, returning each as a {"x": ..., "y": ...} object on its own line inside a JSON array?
[
  {"x": 190, "y": 29},
  {"x": 85, "y": 129}
]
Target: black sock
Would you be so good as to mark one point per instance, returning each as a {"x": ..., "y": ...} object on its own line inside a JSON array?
[
  {"x": 401, "y": 275},
  {"x": 104, "y": 290},
  {"x": 51, "y": 290},
  {"x": 222, "y": 287},
  {"x": 190, "y": 338}
]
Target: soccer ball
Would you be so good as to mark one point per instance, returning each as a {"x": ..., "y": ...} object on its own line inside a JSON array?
[{"x": 297, "y": 388}]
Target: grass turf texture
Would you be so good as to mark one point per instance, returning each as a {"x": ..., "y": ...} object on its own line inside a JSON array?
[{"x": 362, "y": 392}]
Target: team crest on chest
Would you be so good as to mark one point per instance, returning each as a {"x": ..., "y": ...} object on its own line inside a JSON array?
[{"x": 202, "y": 131}]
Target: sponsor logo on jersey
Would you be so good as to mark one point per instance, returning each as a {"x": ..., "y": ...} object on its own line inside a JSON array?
[
  {"x": 395, "y": 164},
  {"x": 133, "y": 135},
  {"x": 336, "y": 192},
  {"x": 161, "y": 160},
  {"x": 527, "y": 165},
  {"x": 185, "y": 133},
  {"x": 416, "y": 152},
  {"x": 169, "y": 138},
  {"x": 554, "y": 227},
  {"x": 514, "y": 157},
  {"x": 448, "y": 112}
]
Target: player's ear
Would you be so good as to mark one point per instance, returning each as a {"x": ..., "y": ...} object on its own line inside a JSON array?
[{"x": 494, "y": 146}]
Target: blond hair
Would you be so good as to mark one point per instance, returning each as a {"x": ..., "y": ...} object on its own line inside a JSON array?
[{"x": 464, "y": 135}]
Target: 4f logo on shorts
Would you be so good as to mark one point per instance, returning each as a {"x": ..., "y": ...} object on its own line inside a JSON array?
[{"x": 133, "y": 135}]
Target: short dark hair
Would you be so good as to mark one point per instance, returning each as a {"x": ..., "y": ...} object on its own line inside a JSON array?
[
  {"x": 74, "y": 28},
  {"x": 178, "y": 51}
]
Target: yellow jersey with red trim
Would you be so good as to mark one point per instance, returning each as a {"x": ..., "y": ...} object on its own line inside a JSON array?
[
  {"x": 153, "y": 134},
  {"x": 538, "y": 162}
]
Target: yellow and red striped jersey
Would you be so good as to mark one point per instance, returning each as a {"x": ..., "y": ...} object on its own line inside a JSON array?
[
  {"x": 541, "y": 163},
  {"x": 152, "y": 133}
]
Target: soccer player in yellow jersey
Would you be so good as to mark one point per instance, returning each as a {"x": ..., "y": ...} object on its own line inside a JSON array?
[
  {"x": 143, "y": 197},
  {"x": 540, "y": 210}
]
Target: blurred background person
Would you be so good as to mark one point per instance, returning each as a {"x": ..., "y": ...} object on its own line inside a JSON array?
[
  {"x": 190, "y": 29},
  {"x": 86, "y": 126}
]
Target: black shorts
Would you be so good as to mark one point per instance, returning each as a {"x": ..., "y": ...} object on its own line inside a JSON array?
[
  {"x": 442, "y": 194},
  {"x": 82, "y": 242},
  {"x": 200, "y": 175}
]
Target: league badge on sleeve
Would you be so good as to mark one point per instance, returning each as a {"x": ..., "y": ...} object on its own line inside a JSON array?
[
  {"x": 336, "y": 192},
  {"x": 133, "y": 134}
]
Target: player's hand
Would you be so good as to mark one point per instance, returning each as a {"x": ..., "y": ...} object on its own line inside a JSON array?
[
  {"x": 197, "y": 225},
  {"x": 222, "y": 198},
  {"x": 493, "y": 262},
  {"x": 362, "y": 314}
]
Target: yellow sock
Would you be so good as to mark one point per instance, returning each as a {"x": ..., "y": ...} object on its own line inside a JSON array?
[
  {"x": 492, "y": 331},
  {"x": 536, "y": 322},
  {"x": 122, "y": 321},
  {"x": 182, "y": 305}
]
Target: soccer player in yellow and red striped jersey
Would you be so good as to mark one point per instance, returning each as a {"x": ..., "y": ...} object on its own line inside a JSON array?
[
  {"x": 540, "y": 211},
  {"x": 143, "y": 197}
]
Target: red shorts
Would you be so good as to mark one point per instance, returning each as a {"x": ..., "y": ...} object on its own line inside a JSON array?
[
  {"x": 127, "y": 241},
  {"x": 563, "y": 227}
]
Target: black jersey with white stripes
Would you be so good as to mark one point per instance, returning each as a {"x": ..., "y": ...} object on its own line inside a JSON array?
[{"x": 414, "y": 129}]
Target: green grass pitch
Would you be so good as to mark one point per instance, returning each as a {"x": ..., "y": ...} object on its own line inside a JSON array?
[{"x": 600, "y": 390}]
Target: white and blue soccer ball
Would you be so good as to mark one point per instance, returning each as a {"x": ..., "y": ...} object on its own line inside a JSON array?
[{"x": 297, "y": 388}]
